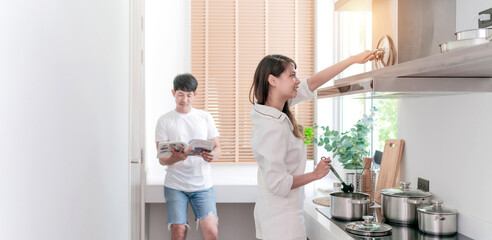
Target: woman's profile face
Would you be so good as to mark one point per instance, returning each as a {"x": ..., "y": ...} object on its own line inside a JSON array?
[{"x": 288, "y": 82}]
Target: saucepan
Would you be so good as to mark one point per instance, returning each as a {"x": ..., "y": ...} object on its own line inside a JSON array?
[
  {"x": 456, "y": 44},
  {"x": 474, "y": 33},
  {"x": 349, "y": 206},
  {"x": 468, "y": 38},
  {"x": 400, "y": 204},
  {"x": 437, "y": 219}
]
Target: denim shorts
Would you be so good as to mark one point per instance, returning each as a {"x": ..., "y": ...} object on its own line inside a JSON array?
[{"x": 202, "y": 202}]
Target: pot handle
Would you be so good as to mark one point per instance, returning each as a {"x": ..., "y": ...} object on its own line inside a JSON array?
[
  {"x": 359, "y": 201},
  {"x": 415, "y": 201},
  {"x": 440, "y": 218}
]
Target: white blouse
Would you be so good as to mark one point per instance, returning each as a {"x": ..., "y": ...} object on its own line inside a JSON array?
[{"x": 280, "y": 156}]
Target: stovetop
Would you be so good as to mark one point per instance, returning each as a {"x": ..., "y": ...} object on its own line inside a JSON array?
[{"x": 399, "y": 231}]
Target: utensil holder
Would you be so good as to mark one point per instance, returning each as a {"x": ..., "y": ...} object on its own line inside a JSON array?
[{"x": 355, "y": 179}]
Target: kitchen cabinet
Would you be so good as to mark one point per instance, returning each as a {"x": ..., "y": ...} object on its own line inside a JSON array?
[{"x": 460, "y": 71}]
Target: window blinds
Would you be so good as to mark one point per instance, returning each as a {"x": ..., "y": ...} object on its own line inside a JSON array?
[{"x": 228, "y": 39}]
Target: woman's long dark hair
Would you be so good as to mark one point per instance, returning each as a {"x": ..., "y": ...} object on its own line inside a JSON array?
[{"x": 274, "y": 65}]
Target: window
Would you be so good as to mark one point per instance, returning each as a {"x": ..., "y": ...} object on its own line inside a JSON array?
[
  {"x": 228, "y": 39},
  {"x": 354, "y": 36}
]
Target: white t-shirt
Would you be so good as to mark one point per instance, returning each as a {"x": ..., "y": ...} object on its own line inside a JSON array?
[{"x": 193, "y": 173}]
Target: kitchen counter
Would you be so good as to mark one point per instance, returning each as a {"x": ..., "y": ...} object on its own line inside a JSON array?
[
  {"x": 320, "y": 224},
  {"x": 232, "y": 184}
]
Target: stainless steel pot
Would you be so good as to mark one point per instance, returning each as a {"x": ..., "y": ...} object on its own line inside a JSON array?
[
  {"x": 457, "y": 44},
  {"x": 348, "y": 206},
  {"x": 437, "y": 219},
  {"x": 474, "y": 33},
  {"x": 400, "y": 204}
]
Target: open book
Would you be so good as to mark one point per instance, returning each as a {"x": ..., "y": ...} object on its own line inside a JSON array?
[{"x": 197, "y": 146}]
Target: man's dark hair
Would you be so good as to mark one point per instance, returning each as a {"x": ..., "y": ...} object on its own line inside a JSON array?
[{"x": 185, "y": 82}]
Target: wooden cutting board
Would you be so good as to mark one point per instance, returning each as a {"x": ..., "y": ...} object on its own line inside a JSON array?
[{"x": 389, "y": 172}]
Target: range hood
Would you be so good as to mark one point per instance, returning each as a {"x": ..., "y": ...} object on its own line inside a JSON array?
[
  {"x": 420, "y": 70},
  {"x": 467, "y": 70}
]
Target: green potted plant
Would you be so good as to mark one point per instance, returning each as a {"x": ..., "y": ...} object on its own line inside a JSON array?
[{"x": 348, "y": 147}]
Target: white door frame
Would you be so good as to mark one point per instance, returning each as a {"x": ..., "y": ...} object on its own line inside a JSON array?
[{"x": 137, "y": 122}]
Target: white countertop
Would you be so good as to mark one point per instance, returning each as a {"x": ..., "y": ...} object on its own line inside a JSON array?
[{"x": 232, "y": 184}]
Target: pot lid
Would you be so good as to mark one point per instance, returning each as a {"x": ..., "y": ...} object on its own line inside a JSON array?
[
  {"x": 437, "y": 208},
  {"x": 368, "y": 228},
  {"x": 405, "y": 191},
  {"x": 355, "y": 195}
]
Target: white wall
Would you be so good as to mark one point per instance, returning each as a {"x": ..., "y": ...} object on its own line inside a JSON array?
[
  {"x": 448, "y": 141},
  {"x": 64, "y": 100},
  {"x": 167, "y": 53},
  {"x": 467, "y": 13}
]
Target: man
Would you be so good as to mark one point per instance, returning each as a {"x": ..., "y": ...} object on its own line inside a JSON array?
[{"x": 188, "y": 177}]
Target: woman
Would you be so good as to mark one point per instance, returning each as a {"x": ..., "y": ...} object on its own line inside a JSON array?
[{"x": 277, "y": 143}]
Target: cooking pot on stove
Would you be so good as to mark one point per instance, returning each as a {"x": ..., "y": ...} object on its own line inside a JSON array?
[
  {"x": 348, "y": 206},
  {"x": 437, "y": 219},
  {"x": 400, "y": 204}
]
